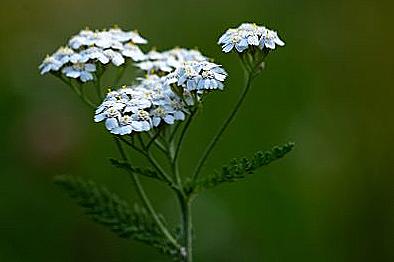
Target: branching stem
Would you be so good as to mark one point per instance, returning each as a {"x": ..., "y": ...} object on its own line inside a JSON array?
[
  {"x": 152, "y": 160},
  {"x": 215, "y": 139},
  {"x": 78, "y": 92},
  {"x": 145, "y": 198}
]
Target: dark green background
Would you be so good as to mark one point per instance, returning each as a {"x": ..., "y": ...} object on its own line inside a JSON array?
[{"x": 330, "y": 90}]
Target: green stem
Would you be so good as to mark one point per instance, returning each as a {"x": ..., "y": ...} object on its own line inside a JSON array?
[
  {"x": 226, "y": 123},
  {"x": 78, "y": 92},
  {"x": 184, "y": 200},
  {"x": 183, "y": 133},
  {"x": 187, "y": 228},
  {"x": 153, "y": 161},
  {"x": 120, "y": 74},
  {"x": 98, "y": 87},
  {"x": 154, "y": 140},
  {"x": 174, "y": 152},
  {"x": 146, "y": 200},
  {"x": 174, "y": 131},
  {"x": 164, "y": 174}
]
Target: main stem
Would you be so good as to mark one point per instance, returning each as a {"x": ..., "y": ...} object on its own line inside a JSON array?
[
  {"x": 187, "y": 228},
  {"x": 183, "y": 197},
  {"x": 215, "y": 140}
]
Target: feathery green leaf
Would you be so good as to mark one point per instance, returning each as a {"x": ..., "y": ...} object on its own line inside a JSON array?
[
  {"x": 240, "y": 168},
  {"x": 108, "y": 209}
]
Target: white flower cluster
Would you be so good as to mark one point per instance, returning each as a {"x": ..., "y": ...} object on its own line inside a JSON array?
[
  {"x": 167, "y": 61},
  {"x": 78, "y": 60},
  {"x": 198, "y": 75},
  {"x": 141, "y": 107},
  {"x": 247, "y": 35},
  {"x": 152, "y": 101}
]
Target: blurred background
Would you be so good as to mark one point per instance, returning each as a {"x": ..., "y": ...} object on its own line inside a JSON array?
[{"x": 329, "y": 90}]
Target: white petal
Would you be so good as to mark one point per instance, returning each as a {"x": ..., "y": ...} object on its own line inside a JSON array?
[
  {"x": 278, "y": 41},
  {"x": 179, "y": 115},
  {"x": 73, "y": 74},
  {"x": 227, "y": 48},
  {"x": 169, "y": 119},
  {"x": 156, "y": 120},
  {"x": 90, "y": 67},
  {"x": 111, "y": 123},
  {"x": 99, "y": 117}
]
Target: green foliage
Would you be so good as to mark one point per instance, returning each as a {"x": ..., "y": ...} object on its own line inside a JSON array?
[
  {"x": 147, "y": 172},
  {"x": 240, "y": 168},
  {"x": 108, "y": 209}
]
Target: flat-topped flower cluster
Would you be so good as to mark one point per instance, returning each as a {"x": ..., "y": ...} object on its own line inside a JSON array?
[
  {"x": 167, "y": 61},
  {"x": 249, "y": 35},
  {"x": 153, "y": 101},
  {"x": 78, "y": 59},
  {"x": 198, "y": 76},
  {"x": 141, "y": 107}
]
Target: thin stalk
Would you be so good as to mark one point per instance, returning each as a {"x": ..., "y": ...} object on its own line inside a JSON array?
[
  {"x": 120, "y": 74},
  {"x": 154, "y": 140},
  {"x": 157, "y": 166},
  {"x": 146, "y": 200},
  {"x": 183, "y": 133},
  {"x": 175, "y": 171},
  {"x": 226, "y": 123},
  {"x": 98, "y": 87},
  {"x": 174, "y": 131},
  {"x": 174, "y": 151},
  {"x": 153, "y": 161},
  {"x": 78, "y": 92}
]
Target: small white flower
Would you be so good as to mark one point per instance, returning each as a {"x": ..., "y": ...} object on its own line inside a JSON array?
[
  {"x": 94, "y": 53},
  {"x": 84, "y": 38},
  {"x": 269, "y": 38},
  {"x": 163, "y": 113},
  {"x": 136, "y": 38},
  {"x": 141, "y": 121},
  {"x": 54, "y": 62},
  {"x": 81, "y": 71},
  {"x": 199, "y": 76},
  {"x": 50, "y": 64},
  {"x": 63, "y": 54},
  {"x": 233, "y": 38},
  {"x": 116, "y": 58},
  {"x": 133, "y": 51},
  {"x": 247, "y": 35},
  {"x": 136, "y": 103},
  {"x": 121, "y": 36},
  {"x": 168, "y": 61},
  {"x": 123, "y": 126}
]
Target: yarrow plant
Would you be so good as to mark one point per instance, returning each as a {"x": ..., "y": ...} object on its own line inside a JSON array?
[{"x": 150, "y": 116}]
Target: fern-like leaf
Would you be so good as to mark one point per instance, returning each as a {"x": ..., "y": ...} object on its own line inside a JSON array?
[
  {"x": 108, "y": 209},
  {"x": 240, "y": 168}
]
